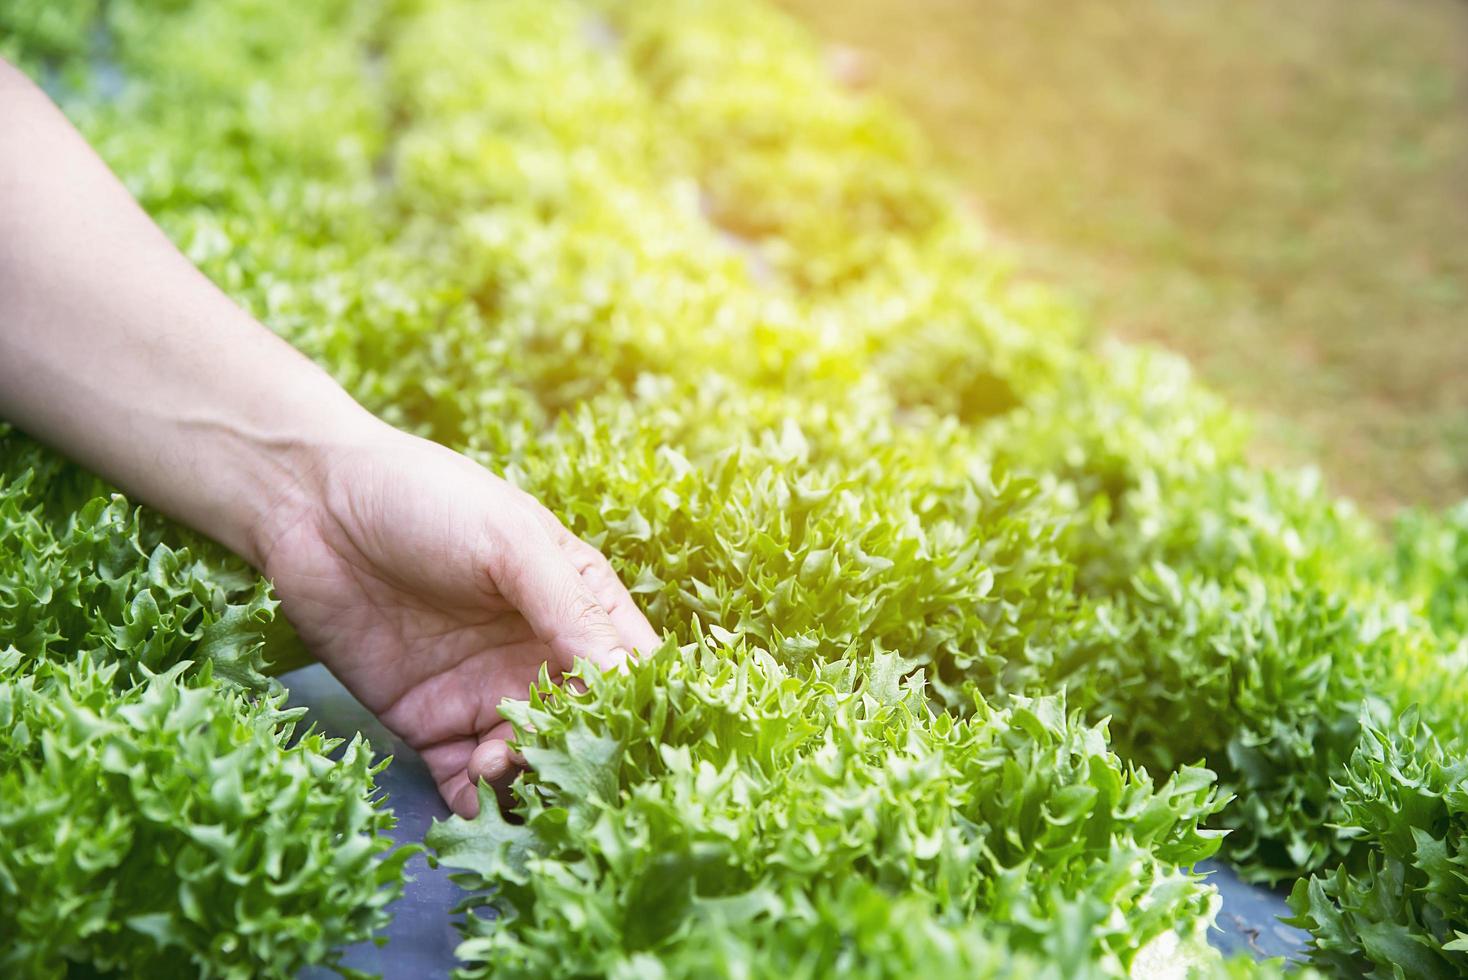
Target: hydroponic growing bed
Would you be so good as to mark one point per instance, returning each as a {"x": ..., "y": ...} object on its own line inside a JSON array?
[
  {"x": 981, "y": 632},
  {"x": 421, "y": 938}
]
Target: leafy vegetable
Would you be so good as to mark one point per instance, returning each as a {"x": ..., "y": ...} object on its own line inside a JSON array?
[
  {"x": 1404, "y": 911},
  {"x": 170, "y": 826},
  {"x": 1432, "y": 562},
  {"x": 157, "y": 815},
  {"x": 714, "y": 788},
  {"x": 958, "y": 600}
]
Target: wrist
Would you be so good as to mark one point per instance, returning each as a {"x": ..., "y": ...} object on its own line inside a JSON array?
[{"x": 290, "y": 473}]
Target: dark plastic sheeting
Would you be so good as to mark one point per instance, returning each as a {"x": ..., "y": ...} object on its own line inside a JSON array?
[
  {"x": 1249, "y": 919},
  {"x": 422, "y": 937}
]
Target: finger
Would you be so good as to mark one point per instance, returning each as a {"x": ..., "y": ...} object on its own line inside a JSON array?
[
  {"x": 459, "y": 765},
  {"x": 462, "y": 796},
  {"x": 539, "y": 579},
  {"x": 448, "y": 762},
  {"x": 632, "y": 626},
  {"x": 460, "y": 701},
  {"x": 492, "y": 759},
  {"x": 636, "y": 632},
  {"x": 494, "y": 762}
]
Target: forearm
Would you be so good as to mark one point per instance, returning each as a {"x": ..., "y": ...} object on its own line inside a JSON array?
[{"x": 115, "y": 350}]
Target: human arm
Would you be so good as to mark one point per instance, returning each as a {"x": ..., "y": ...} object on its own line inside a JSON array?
[{"x": 430, "y": 586}]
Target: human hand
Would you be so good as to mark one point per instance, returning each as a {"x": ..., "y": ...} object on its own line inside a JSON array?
[
  {"x": 434, "y": 589},
  {"x": 429, "y": 586}
]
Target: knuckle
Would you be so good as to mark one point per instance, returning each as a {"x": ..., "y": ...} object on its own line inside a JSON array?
[
  {"x": 504, "y": 544},
  {"x": 591, "y": 563},
  {"x": 599, "y": 568},
  {"x": 583, "y": 609}
]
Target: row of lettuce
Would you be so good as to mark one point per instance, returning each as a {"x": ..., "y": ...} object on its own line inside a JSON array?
[{"x": 981, "y": 632}]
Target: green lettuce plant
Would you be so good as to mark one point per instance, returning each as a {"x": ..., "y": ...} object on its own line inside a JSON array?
[
  {"x": 714, "y": 787},
  {"x": 1403, "y": 911},
  {"x": 897, "y": 506}
]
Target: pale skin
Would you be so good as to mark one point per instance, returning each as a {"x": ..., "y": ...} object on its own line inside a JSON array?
[{"x": 430, "y": 586}]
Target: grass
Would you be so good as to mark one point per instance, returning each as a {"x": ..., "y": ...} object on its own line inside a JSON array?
[{"x": 1278, "y": 191}]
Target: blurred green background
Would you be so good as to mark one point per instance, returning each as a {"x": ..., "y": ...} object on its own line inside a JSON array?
[{"x": 1278, "y": 190}]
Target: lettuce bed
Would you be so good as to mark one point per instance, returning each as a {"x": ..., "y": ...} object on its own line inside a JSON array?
[{"x": 980, "y": 632}]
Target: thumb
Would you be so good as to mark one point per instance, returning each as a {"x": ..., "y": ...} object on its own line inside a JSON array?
[{"x": 543, "y": 585}]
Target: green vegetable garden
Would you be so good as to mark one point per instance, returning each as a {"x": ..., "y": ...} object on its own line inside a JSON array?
[{"x": 981, "y": 632}]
